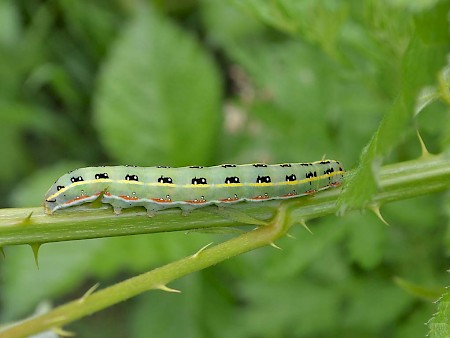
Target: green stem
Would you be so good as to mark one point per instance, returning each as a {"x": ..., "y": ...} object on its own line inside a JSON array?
[
  {"x": 155, "y": 279},
  {"x": 399, "y": 181}
]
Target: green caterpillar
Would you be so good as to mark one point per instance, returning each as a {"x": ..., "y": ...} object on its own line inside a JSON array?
[{"x": 157, "y": 188}]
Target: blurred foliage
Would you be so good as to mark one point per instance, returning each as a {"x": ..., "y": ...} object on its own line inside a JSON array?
[
  {"x": 440, "y": 323},
  {"x": 204, "y": 82}
]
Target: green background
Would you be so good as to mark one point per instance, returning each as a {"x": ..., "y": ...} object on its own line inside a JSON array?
[{"x": 207, "y": 82}]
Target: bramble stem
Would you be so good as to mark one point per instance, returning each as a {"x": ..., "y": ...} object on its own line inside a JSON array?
[
  {"x": 155, "y": 279},
  {"x": 397, "y": 182}
]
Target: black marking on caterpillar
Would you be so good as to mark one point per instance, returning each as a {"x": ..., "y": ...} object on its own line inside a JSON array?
[
  {"x": 291, "y": 178},
  {"x": 310, "y": 175},
  {"x": 200, "y": 180},
  {"x": 101, "y": 176},
  {"x": 263, "y": 179},
  {"x": 163, "y": 179},
  {"x": 233, "y": 179},
  {"x": 131, "y": 177},
  {"x": 328, "y": 172}
]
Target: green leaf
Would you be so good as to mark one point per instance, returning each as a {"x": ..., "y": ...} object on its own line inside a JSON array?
[
  {"x": 439, "y": 325},
  {"x": 418, "y": 290},
  {"x": 425, "y": 55},
  {"x": 319, "y": 22},
  {"x": 426, "y": 97},
  {"x": 159, "y": 96}
]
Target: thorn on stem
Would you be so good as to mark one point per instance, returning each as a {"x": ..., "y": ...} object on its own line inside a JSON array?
[
  {"x": 201, "y": 250},
  {"x": 26, "y": 220},
  {"x": 167, "y": 289},
  {"x": 275, "y": 246},
  {"x": 89, "y": 292},
  {"x": 423, "y": 147},
  {"x": 35, "y": 247},
  {"x": 290, "y": 236},
  {"x": 303, "y": 223},
  {"x": 376, "y": 210},
  {"x": 61, "y": 332}
]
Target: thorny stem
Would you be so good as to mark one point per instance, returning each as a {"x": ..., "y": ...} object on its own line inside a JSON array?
[
  {"x": 398, "y": 181},
  {"x": 155, "y": 279}
]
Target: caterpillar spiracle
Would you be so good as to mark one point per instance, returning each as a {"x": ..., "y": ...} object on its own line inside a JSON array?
[{"x": 157, "y": 188}]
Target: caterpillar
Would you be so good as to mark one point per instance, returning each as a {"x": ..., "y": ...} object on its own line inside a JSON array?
[{"x": 157, "y": 188}]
